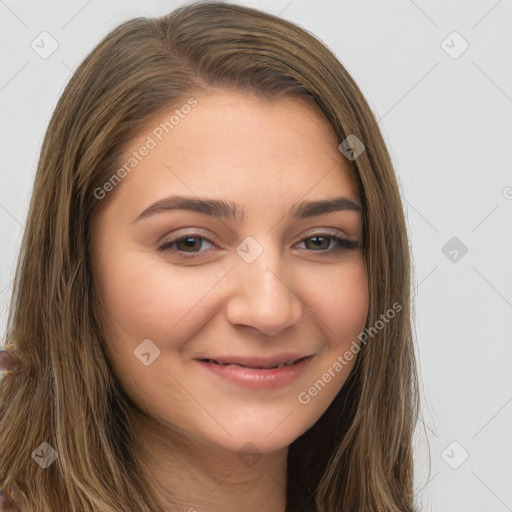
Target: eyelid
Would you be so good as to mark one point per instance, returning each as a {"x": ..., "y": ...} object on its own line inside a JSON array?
[
  {"x": 179, "y": 235},
  {"x": 186, "y": 232},
  {"x": 323, "y": 231},
  {"x": 334, "y": 233}
]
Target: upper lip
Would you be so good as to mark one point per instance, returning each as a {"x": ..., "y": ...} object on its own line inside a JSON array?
[{"x": 258, "y": 362}]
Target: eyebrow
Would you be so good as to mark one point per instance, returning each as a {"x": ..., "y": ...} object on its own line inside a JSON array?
[{"x": 231, "y": 211}]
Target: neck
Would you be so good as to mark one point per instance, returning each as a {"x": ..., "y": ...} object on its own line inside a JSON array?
[{"x": 191, "y": 475}]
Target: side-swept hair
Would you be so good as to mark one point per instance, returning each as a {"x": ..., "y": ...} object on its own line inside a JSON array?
[{"x": 358, "y": 456}]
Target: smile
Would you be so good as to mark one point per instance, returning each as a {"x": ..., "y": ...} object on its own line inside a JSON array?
[
  {"x": 256, "y": 376},
  {"x": 274, "y": 365}
]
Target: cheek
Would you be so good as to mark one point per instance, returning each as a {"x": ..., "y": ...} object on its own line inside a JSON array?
[
  {"x": 140, "y": 298},
  {"x": 341, "y": 307},
  {"x": 339, "y": 298},
  {"x": 149, "y": 299}
]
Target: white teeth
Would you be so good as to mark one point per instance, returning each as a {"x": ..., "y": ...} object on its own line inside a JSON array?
[{"x": 280, "y": 365}]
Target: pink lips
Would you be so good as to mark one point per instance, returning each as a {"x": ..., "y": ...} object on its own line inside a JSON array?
[{"x": 258, "y": 374}]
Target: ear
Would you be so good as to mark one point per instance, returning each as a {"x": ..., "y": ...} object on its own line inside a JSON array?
[
  {"x": 7, "y": 503},
  {"x": 9, "y": 361}
]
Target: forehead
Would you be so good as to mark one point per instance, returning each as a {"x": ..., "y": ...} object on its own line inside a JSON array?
[{"x": 233, "y": 144}]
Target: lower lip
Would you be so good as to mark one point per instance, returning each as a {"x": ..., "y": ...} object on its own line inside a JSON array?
[{"x": 257, "y": 378}]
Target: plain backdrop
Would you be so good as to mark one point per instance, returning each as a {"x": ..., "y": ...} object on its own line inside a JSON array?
[{"x": 438, "y": 76}]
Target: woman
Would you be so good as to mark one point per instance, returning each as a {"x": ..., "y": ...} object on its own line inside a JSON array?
[{"x": 255, "y": 372}]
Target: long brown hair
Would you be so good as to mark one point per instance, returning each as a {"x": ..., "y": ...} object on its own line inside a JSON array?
[{"x": 358, "y": 456}]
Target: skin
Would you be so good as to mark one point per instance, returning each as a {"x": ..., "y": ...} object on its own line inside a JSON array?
[{"x": 192, "y": 425}]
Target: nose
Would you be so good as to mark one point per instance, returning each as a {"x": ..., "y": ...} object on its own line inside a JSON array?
[{"x": 263, "y": 295}]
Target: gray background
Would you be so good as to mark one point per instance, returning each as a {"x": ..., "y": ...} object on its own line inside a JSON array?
[{"x": 446, "y": 117}]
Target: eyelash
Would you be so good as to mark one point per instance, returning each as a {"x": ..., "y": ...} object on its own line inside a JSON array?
[{"x": 343, "y": 244}]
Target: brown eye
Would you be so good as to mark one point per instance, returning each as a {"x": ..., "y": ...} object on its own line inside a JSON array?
[
  {"x": 319, "y": 242},
  {"x": 322, "y": 241},
  {"x": 190, "y": 243}
]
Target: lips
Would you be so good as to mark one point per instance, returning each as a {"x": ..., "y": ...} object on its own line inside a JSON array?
[
  {"x": 257, "y": 373},
  {"x": 255, "y": 366}
]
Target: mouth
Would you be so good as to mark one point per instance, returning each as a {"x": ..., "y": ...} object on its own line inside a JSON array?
[
  {"x": 257, "y": 373},
  {"x": 253, "y": 366}
]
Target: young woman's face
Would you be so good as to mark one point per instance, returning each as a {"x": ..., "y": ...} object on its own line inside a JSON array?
[{"x": 187, "y": 283}]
